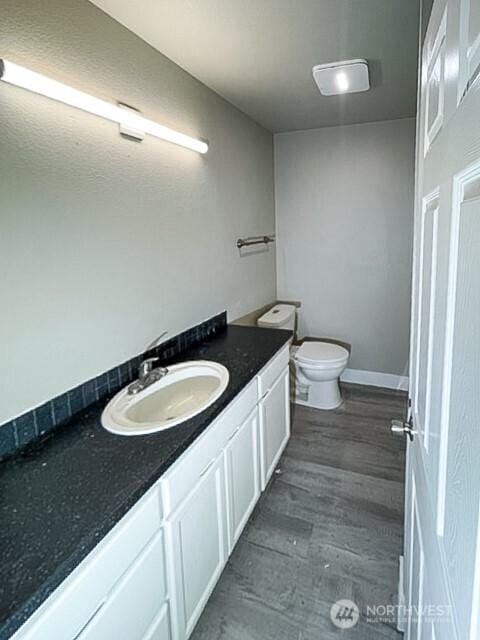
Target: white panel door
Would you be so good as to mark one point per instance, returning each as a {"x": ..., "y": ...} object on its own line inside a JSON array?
[
  {"x": 243, "y": 476},
  {"x": 197, "y": 537},
  {"x": 274, "y": 425},
  {"x": 442, "y": 532}
]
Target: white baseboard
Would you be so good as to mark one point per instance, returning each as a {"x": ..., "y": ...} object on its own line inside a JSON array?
[{"x": 375, "y": 379}]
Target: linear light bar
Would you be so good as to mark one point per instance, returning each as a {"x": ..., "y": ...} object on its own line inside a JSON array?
[{"x": 22, "y": 77}]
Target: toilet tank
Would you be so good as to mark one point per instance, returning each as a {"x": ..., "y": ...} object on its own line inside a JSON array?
[{"x": 281, "y": 316}]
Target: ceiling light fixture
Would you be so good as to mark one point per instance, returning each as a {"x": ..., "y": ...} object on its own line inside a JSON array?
[
  {"x": 342, "y": 81},
  {"x": 126, "y": 118},
  {"x": 347, "y": 76}
]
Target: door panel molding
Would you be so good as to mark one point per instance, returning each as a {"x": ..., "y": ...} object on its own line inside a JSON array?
[
  {"x": 440, "y": 591},
  {"x": 460, "y": 187},
  {"x": 469, "y": 49},
  {"x": 462, "y": 484},
  {"x": 425, "y": 330},
  {"x": 434, "y": 54}
]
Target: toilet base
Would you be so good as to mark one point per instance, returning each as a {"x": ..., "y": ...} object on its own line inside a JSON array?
[
  {"x": 313, "y": 390},
  {"x": 324, "y": 395}
]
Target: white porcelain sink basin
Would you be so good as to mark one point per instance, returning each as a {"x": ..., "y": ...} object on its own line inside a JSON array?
[{"x": 185, "y": 391}]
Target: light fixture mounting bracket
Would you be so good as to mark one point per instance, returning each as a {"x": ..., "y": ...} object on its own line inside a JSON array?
[{"x": 129, "y": 132}]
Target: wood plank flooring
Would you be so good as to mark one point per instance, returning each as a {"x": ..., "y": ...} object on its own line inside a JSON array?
[{"x": 328, "y": 527}]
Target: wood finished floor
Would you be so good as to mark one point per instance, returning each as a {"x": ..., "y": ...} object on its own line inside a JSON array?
[{"x": 329, "y": 526}]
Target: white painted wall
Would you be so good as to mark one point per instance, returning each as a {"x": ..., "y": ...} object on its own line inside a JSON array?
[
  {"x": 105, "y": 243},
  {"x": 344, "y": 207}
]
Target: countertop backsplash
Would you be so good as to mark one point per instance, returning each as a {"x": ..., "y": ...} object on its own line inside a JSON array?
[{"x": 41, "y": 421}]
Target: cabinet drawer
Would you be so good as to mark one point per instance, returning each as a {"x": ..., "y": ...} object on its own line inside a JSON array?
[
  {"x": 80, "y": 596},
  {"x": 129, "y": 610},
  {"x": 272, "y": 370},
  {"x": 183, "y": 476}
]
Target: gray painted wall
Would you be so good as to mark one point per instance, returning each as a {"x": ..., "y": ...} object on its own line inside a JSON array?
[
  {"x": 105, "y": 243},
  {"x": 344, "y": 206}
]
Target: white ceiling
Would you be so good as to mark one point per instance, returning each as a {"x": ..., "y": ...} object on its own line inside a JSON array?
[{"x": 258, "y": 54}]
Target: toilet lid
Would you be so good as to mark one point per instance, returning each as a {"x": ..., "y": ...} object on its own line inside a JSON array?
[
  {"x": 321, "y": 352},
  {"x": 277, "y": 316}
]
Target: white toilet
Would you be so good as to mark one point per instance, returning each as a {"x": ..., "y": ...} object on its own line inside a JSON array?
[{"x": 318, "y": 365}]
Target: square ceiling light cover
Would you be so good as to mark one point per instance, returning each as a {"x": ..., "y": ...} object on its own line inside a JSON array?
[{"x": 347, "y": 76}]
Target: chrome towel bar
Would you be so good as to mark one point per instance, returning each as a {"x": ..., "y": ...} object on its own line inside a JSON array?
[{"x": 246, "y": 242}]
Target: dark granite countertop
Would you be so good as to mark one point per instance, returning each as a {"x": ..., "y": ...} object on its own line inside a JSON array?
[{"x": 61, "y": 496}]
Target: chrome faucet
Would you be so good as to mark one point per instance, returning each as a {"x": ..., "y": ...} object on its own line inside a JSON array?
[{"x": 147, "y": 375}]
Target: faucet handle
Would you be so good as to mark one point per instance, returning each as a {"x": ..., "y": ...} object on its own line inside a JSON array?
[
  {"x": 155, "y": 342},
  {"x": 146, "y": 366}
]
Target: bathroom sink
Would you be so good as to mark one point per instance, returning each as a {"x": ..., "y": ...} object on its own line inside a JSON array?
[{"x": 184, "y": 392}]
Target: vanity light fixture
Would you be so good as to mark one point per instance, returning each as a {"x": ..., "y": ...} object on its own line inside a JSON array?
[
  {"x": 128, "y": 119},
  {"x": 347, "y": 76}
]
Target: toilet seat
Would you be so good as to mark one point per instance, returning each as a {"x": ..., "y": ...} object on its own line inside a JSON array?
[{"x": 321, "y": 354}]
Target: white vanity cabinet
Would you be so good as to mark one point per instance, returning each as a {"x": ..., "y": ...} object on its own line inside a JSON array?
[
  {"x": 199, "y": 491},
  {"x": 202, "y": 531},
  {"x": 151, "y": 576}
]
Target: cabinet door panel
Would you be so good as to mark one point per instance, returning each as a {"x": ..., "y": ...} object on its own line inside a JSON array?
[
  {"x": 274, "y": 425},
  {"x": 243, "y": 477},
  {"x": 198, "y": 534}
]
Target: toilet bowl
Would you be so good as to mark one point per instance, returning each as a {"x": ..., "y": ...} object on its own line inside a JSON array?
[{"x": 319, "y": 365}]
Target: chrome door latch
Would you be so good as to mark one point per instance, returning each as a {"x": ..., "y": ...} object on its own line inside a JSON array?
[{"x": 406, "y": 428}]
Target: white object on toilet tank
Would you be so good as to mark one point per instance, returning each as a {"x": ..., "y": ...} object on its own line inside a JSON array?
[{"x": 281, "y": 316}]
